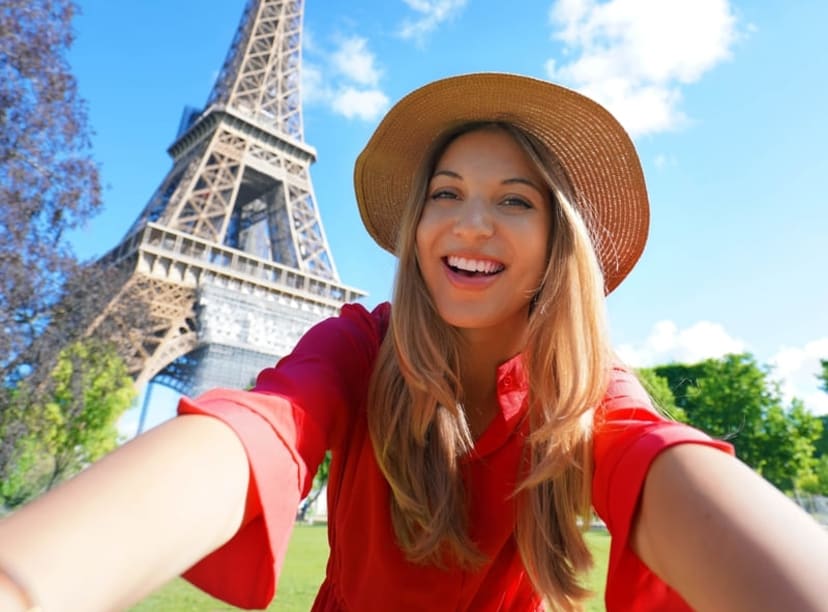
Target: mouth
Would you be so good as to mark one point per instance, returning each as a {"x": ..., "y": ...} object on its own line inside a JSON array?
[{"x": 473, "y": 268}]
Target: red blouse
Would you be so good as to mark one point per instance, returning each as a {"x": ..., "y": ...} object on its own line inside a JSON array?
[{"x": 314, "y": 400}]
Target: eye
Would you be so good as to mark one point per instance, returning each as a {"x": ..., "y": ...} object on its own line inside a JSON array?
[
  {"x": 442, "y": 194},
  {"x": 517, "y": 202}
]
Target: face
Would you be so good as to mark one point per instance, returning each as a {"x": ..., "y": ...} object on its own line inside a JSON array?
[{"x": 482, "y": 237}]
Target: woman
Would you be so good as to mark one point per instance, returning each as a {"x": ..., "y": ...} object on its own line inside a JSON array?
[{"x": 473, "y": 426}]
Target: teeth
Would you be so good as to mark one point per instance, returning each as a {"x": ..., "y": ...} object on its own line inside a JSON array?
[{"x": 474, "y": 265}]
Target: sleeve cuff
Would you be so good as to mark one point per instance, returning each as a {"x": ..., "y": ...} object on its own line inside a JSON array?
[
  {"x": 626, "y": 573},
  {"x": 245, "y": 570}
]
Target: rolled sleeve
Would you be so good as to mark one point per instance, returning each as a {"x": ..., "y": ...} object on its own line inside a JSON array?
[
  {"x": 245, "y": 570},
  {"x": 628, "y": 435},
  {"x": 299, "y": 409}
]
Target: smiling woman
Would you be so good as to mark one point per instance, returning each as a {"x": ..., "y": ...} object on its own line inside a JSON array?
[{"x": 474, "y": 424}]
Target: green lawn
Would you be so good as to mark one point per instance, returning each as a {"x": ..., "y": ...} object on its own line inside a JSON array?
[{"x": 304, "y": 570}]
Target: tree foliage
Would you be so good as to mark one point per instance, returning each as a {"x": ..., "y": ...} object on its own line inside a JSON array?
[
  {"x": 49, "y": 185},
  {"x": 77, "y": 422},
  {"x": 48, "y": 182},
  {"x": 733, "y": 398},
  {"x": 820, "y": 483},
  {"x": 658, "y": 388},
  {"x": 822, "y": 443},
  {"x": 92, "y": 390}
]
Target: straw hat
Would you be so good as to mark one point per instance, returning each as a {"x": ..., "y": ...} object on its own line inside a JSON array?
[{"x": 596, "y": 153}]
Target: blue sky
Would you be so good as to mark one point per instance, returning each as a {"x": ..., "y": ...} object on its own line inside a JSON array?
[{"x": 725, "y": 101}]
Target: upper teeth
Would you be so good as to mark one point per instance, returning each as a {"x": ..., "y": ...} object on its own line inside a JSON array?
[{"x": 473, "y": 265}]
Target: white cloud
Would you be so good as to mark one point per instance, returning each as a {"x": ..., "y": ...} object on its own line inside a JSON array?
[
  {"x": 346, "y": 80},
  {"x": 353, "y": 60},
  {"x": 313, "y": 84},
  {"x": 667, "y": 343},
  {"x": 796, "y": 369},
  {"x": 431, "y": 14},
  {"x": 363, "y": 104},
  {"x": 633, "y": 56}
]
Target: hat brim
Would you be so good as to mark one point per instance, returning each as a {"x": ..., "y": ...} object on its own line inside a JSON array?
[{"x": 594, "y": 150}]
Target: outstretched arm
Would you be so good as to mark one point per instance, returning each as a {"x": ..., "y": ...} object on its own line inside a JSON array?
[
  {"x": 139, "y": 517},
  {"x": 726, "y": 539}
]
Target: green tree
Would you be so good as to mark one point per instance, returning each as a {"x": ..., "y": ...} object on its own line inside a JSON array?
[
  {"x": 77, "y": 424},
  {"x": 319, "y": 482},
  {"x": 732, "y": 398},
  {"x": 820, "y": 483},
  {"x": 92, "y": 390},
  {"x": 788, "y": 439},
  {"x": 660, "y": 393},
  {"x": 821, "y": 445}
]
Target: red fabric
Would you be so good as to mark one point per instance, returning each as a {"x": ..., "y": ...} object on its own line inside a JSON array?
[
  {"x": 628, "y": 435},
  {"x": 314, "y": 399}
]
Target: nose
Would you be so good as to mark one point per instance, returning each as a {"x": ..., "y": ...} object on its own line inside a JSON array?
[{"x": 473, "y": 219}]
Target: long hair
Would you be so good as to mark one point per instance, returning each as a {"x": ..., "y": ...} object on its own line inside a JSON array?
[{"x": 419, "y": 431}]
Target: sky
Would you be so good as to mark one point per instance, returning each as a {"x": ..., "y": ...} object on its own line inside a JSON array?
[{"x": 724, "y": 100}]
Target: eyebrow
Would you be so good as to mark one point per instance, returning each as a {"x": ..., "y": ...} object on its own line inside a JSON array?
[{"x": 509, "y": 181}]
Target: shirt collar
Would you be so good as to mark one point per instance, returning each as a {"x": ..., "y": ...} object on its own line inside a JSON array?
[{"x": 512, "y": 389}]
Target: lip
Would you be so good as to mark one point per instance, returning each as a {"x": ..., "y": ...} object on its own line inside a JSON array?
[{"x": 478, "y": 282}]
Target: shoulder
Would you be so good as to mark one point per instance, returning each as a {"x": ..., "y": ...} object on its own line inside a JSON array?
[
  {"x": 339, "y": 350},
  {"x": 373, "y": 321},
  {"x": 628, "y": 433},
  {"x": 626, "y": 421},
  {"x": 354, "y": 328}
]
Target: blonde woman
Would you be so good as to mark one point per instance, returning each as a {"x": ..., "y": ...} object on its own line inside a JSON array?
[{"x": 474, "y": 425}]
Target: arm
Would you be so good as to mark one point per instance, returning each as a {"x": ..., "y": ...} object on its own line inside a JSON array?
[
  {"x": 726, "y": 539},
  {"x": 139, "y": 517}
]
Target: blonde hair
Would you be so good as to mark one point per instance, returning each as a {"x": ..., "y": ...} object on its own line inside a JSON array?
[{"x": 418, "y": 428}]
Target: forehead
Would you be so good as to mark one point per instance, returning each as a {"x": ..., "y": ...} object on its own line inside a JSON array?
[{"x": 487, "y": 147}]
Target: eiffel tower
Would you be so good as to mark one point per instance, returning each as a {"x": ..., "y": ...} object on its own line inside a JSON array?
[{"x": 229, "y": 254}]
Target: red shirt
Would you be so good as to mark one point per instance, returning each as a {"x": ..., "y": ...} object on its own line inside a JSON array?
[{"x": 314, "y": 400}]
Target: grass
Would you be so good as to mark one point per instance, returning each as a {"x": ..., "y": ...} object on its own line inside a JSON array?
[{"x": 304, "y": 571}]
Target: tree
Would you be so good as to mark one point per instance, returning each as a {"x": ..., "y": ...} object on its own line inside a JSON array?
[
  {"x": 48, "y": 181},
  {"x": 820, "y": 486},
  {"x": 732, "y": 398},
  {"x": 48, "y": 185},
  {"x": 92, "y": 390},
  {"x": 822, "y": 443},
  {"x": 660, "y": 393},
  {"x": 77, "y": 424},
  {"x": 319, "y": 482}
]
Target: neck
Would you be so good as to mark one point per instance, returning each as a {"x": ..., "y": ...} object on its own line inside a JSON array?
[
  {"x": 480, "y": 356},
  {"x": 482, "y": 350}
]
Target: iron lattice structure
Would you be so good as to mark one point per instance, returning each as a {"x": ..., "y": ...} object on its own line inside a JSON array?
[{"x": 230, "y": 254}]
